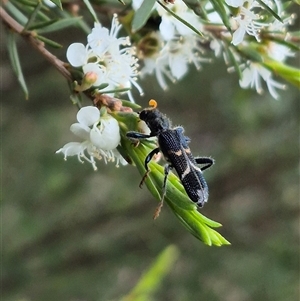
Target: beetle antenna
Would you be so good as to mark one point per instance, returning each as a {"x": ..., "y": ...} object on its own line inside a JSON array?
[{"x": 153, "y": 103}]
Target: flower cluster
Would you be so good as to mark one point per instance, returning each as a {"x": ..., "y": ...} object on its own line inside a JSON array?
[
  {"x": 247, "y": 23},
  {"x": 106, "y": 60},
  {"x": 169, "y": 52},
  {"x": 100, "y": 135},
  {"x": 177, "y": 45}
]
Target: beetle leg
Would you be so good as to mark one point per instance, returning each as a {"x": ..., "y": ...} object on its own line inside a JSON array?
[
  {"x": 167, "y": 169},
  {"x": 147, "y": 160},
  {"x": 204, "y": 160},
  {"x": 137, "y": 135}
]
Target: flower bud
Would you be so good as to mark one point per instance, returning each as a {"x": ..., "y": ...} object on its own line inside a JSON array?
[{"x": 87, "y": 82}]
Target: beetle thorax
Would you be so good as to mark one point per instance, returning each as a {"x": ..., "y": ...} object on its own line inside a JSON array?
[{"x": 156, "y": 121}]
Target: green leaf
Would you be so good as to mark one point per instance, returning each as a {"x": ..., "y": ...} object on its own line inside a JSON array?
[
  {"x": 59, "y": 24},
  {"x": 14, "y": 58},
  {"x": 33, "y": 15},
  {"x": 180, "y": 19},
  {"x": 49, "y": 42},
  {"x": 290, "y": 74},
  {"x": 76, "y": 99},
  {"x": 142, "y": 14},
  {"x": 91, "y": 10},
  {"x": 219, "y": 7},
  {"x": 136, "y": 155},
  {"x": 152, "y": 279},
  {"x": 200, "y": 229},
  {"x": 16, "y": 13},
  {"x": 194, "y": 5},
  {"x": 81, "y": 22},
  {"x": 286, "y": 43},
  {"x": 157, "y": 172},
  {"x": 251, "y": 52},
  {"x": 41, "y": 24},
  {"x": 30, "y": 3},
  {"x": 129, "y": 104},
  {"x": 234, "y": 62},
  {"x": 32, "y": 7},
  {"x": 185, "y": 210},
  {"x": 270, "y": 10},
  {"x": 121, "y": 90}
]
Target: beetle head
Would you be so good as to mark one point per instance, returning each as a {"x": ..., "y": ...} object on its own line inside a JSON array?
[{"x": 155, "y": 120}]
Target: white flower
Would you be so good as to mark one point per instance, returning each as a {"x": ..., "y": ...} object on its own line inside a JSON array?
[
  {"x": 245, "y": 20},
  {"x": 216, "y": 46},
  {"x": 107, "y": 59},
  {"x": 181, "y": 52},
  {"x": 278, "y": 52},
  {"x": 246, "y": 23},
  {"x": 100, "y": 135},
  {"x": 77, "y": 54},
  {"x": 102, "y": 40},
  {"x": 118, "y": 158},
  {"x": 121, "y": 72},
  {"x": 174, "y": 59},
  {"x": 251, "y": 77}
]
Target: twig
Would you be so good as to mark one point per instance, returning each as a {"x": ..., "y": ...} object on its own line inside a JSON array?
[{"x": 38, "y": 45}]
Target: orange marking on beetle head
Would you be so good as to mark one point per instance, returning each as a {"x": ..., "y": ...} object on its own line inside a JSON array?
[{"x": 152, "y": 103}]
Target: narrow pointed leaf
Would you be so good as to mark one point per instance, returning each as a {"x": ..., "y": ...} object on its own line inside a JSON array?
[
  {"x": 14, "y": 58},
  {"x": 180, "y": 19},
  {"x": 270, "y": 10},
  {"x": 59, "y": 24},
  {"x": 49, "y": 42},
  {"x": 40, "y": 25},
  {"x": 152, "y": 279},
  {"x": 290, "y": 74},
  {"x": 91, "y": 10},
  {"x": 129, "y": 104},
  {"x": 33, "y": 15},
  {"x": 219, "y": 7},
  {"x": 233, "y": 61},
  {"x": 81, "y": 22},
  {"x": 16, "y": 13},
  {"x": 30, "y": 8},
  {"x": 287, "y": 43},
  {"x": 194, "y": 5},
  {"x": 142, "y": 14}
]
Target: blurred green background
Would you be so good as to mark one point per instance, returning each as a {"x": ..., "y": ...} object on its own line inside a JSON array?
[{"x": 69, "y": 233}]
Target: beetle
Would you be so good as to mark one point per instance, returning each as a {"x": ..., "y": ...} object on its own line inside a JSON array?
[{"x": 174, "y": 146}]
